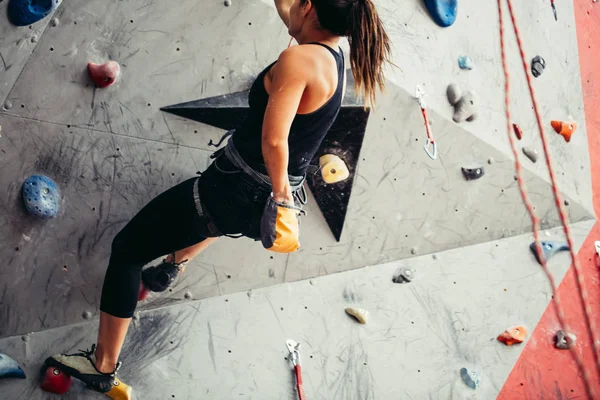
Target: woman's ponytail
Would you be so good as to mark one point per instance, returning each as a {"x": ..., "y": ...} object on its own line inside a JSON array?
[{"x": 369, "y": 48}]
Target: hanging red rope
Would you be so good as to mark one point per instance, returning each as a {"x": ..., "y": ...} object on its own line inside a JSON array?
[{"x": 558, "y": 200}]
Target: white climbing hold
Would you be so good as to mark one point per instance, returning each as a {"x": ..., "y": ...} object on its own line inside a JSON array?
[
  {"x": 358, "y": 313},
  {"x": 187, "y": 295},
  {"x": 466, "y": 108},
  {"x": 34, "y": 38},
  {"x": 454, "y": 93},
  {"x": 227, "y": 3},
  {"x": 86, "y": 315},
  {"x": 413, "y": 250},
  {"x": 532, "y": 154},
  {"x": 54, "y": 22},
  {"x": 8, "y": 105}
]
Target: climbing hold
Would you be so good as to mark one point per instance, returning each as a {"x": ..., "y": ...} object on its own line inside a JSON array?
[
  {"x": 470, "y": 378},
  {"x": 105, "y": 74},
  {"x": 55, "y": 381},
  {"x": 565, "y": 341},
  {"x": 54, "y": 22},
  {"x": 333, "y": 168},
  {"x": 465, "y": 109},
  {"x": 86, "y": 315},
  {"x": 403, "y": 275},
  {"x": 490, "y": 161},
  {"x": 7, "y": 105},
  {"x": 443, "y": 12},
  {"x": 532, "y": 154},
  {"x": 25, "y": 338},
  {"x": 565, "y": 129},
  {"x": 516, "y": 334},
  {"x": 538, "y": 64},
  {"x": 27, "y": 12},
  {"x": 358, "y": 313},
  {"x": 549, "y": 248},
  {"x": 413, "y": 250},
  {"x": 567, "y": 202},
  {"x": 471, "y": 174},
  {"x": 144, "y": 292},
  {"x": 40, "y": 196},
  {"x": 227, "y": 3},
  {"x": 454, "y": 93},
  {"x": 9, "y": 368},
  {"x": 518, "y": 131},
  {"x": 34, "y": 38},
  {"x": 188, "y": 295},
  {"x": 466, "y": 62}
]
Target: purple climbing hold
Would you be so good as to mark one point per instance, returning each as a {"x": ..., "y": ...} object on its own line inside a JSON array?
[
  {"x": 443, "y": 12},
  {"x": 27, "y": 12},
  {"x": 40, "y": 196},
  {"x": 549, "y": 249}
]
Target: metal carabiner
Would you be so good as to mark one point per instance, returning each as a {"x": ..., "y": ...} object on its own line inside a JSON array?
[{"x": 433, "y": 153}]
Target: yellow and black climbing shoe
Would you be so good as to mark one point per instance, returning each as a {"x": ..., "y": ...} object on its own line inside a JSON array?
[
  {"x": 159, "y": 277},
  {"x": 81, "y": 366}
]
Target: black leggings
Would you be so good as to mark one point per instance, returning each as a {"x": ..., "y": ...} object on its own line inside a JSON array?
[{"x": 171, "y": 222}]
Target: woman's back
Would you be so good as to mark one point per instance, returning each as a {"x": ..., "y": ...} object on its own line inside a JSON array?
[{"x": 317, "y": 109}]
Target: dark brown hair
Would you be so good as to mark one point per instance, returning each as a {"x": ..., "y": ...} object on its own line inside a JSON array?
[{"x": 369, "y": 43}]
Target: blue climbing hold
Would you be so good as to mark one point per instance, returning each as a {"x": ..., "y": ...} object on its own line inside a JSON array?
[
  {"x": 443, "y": 12},
  {"x": 470, "y": 378},
  {"x": 466, "y": 62},
  {"x": 40, "y": 196},
  {"x": 27, "y": 12},
  {"x": 549, "y": 248},
  {"x": 9, "y": 368}
]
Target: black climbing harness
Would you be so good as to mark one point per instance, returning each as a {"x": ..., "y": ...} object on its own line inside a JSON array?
[{"x": 232, "y": 154}]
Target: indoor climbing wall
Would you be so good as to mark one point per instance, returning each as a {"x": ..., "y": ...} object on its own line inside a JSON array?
[{"x": 221, "y": 331}]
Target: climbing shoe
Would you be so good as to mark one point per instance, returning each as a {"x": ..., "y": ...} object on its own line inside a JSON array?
[
  {"x": 81, "y": 366},
  {"x": 158, "y": 278}
]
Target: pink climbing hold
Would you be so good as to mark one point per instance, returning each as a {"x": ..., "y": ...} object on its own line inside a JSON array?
[{"x": 105, "y": 74}]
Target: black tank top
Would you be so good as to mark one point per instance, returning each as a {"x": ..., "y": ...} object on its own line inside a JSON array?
[{"x": 306, "y": 132}]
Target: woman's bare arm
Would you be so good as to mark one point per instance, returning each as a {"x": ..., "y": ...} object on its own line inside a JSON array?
[
  {"x": 287, "y": 87},
  {"x": 283, "y": 8}
]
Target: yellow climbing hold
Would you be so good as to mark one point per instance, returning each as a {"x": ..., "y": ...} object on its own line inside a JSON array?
[
  {"x": 358, "y": 313},
  {"x": 333, "y": 168}
]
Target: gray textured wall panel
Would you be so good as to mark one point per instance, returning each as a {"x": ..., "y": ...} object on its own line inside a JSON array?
[
  {"x": 168, "y": 55},
  {"x": 16, "y": 45},
  {"x": 417, "y": 338},
  {"x": 428, "y": 55}
]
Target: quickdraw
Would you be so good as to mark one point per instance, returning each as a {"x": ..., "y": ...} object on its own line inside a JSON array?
[
  {"x": 430, "y": 146},
  {"x": 294, "y": 349}
]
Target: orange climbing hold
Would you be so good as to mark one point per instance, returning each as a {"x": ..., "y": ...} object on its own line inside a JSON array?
[
  {"x": 518, "y": 131},
  {"x": 105, "y": 74},
  {"x": 565, "y": 129},
  {"x": 516, "y": 334}
]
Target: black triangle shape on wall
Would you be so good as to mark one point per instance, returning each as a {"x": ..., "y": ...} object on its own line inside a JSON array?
[{"x": 344, "y": 139}]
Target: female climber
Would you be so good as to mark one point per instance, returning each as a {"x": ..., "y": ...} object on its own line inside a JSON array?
[{"x": 252, "y": 187}]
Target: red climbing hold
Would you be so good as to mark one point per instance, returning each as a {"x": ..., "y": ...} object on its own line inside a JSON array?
[
  {"x": 55, "y": 381},
  {"x": 143, "y": 293},
  {"x": 105, "y": 74},
  {"x": 565, "y": 129},
  {"x": 516, "y": 334},
  {"x": 518, "y": 131}
]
